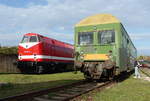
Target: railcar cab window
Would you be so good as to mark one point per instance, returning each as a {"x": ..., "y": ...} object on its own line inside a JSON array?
[
  {"x": 85, "y": 38},
  {"x": 106, "y": 37}
]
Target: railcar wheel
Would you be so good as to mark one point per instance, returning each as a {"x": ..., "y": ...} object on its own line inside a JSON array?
[
  {"x": 87, "y": 77},
  {"x": 111, "y": 73}
]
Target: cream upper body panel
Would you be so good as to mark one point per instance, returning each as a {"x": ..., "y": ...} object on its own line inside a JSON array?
[{"x": 98, "y": 19}]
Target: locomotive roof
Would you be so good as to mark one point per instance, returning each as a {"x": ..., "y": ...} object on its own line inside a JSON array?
[
  {"x": 98, "y": 19},
  {"x": 30, "y": 34}
]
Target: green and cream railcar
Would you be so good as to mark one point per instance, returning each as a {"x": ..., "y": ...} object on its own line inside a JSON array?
[{"x": 102, "y": 47}]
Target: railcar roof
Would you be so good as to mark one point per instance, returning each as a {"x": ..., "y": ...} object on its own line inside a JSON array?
[{"x": 98, "y": 19}]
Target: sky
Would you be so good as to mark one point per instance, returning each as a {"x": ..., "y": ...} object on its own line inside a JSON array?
[{"x": 56, "y": 19}]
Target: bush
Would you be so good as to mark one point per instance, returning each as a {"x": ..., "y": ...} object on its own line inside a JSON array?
[{"x": 8, "y": 50}]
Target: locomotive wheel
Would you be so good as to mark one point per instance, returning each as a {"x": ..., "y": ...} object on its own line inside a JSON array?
[{"x": 39, "y": 69}]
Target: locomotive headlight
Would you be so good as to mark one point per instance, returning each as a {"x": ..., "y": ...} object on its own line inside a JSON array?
[
  {"x": 34, "y": 56},
  {"x": 19, "y": 56}
]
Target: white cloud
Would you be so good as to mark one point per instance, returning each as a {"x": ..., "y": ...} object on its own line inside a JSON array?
[
  {"x": 143, "y": 50},
  {"x": 69, "y": 12},
  {"x": 142, "y": 36},
  {"x": 57, "y": 18}
]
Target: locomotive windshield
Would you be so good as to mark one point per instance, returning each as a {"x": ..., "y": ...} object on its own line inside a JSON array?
[
  {"x": 33, "y": 39},
  {"x": 85, "y": 38},
  {"x": 25, "y": 39},
  {"x": 106, "y": 36},
  {"x": 29, "y": 39}
]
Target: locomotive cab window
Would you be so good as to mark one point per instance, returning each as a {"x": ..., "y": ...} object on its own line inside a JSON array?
[
  {"x": 25, "y": 39},
  {"x": 33, "y": 39},
  {"x": 40, "y": 38},
  {"x": 85, "y": 38},
  {"x": 106, "y": 37}
]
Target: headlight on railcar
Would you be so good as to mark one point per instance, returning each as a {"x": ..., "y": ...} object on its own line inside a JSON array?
[
  {"x": 82, "y": 56},
  {"x": 110, "y": 54}
]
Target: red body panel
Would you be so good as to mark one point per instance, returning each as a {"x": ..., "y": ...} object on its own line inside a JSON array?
[{"x": 47, "y": 49}]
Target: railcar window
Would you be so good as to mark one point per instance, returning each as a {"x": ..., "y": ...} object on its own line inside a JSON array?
[
  {"x": 106, "y": 36},
  {"x": 25, "y": 39},
  {"x": 33, "y": 39},
  {"x": 85, "y": 38},
  {"x": 127, "y": 41}
]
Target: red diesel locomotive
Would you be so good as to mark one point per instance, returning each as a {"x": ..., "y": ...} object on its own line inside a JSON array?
[{"x": 40, "y": 54}]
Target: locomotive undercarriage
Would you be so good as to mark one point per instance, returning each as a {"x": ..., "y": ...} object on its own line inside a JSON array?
[
  {"x": 43, "y": 67},
  {"x": 97, "y": 70}
]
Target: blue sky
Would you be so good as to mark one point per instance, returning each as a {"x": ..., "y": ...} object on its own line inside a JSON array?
[
  {"x": 23, "y": 3},
  {"x": 56, "y": 18}
]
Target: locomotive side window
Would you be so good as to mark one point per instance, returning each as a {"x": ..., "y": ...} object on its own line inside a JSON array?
[
  {"x": 40, "y": 38},
  {"x": 33, "y": 39},
  {"x": 85, "y": 38},
  {"x": 25, "y": 39},
  {"x": 106, "y": 36}
]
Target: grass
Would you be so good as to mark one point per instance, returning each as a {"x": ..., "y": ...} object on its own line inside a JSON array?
[
  {"x": 19, "y": 83},
  {"x": 129, "y": 90}
]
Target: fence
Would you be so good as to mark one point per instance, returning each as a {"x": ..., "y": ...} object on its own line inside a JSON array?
[{"x": 7, "y": 63}]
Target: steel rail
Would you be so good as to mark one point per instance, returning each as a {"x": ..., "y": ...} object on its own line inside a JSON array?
[
  {"x": 38, "y": 93},
  {"x": 74, "y": 90},
  {"x": 87, "y": 91}
]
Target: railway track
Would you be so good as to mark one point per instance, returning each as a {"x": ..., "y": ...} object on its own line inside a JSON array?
[{"x": 62, "y": 93}]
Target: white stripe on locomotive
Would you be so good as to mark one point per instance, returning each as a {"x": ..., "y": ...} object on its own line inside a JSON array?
[{"x": 43, "y": 57}]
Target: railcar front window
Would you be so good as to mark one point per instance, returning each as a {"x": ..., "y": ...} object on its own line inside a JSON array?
[
  {"x": 85, "y": 38},
  {"x": 33, "y": 39},
  {"x": 25, "y": 39},
  {"x": 106, "y": 36}
]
